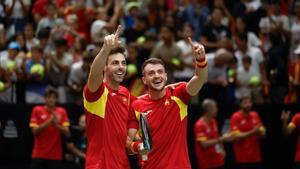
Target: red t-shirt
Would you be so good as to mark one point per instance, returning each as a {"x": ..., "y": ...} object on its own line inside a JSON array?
[
  {"x": 106, "y": 124},
  {"x": 167, "y": 118},
  {"x": 47, "y": 144},
  {"x": 210, "y": 157},
  {"x": 246, "y": 150},
  {"x": 296, "y": 122}
]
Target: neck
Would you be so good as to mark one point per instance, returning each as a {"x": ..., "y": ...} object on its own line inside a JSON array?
[
  {"x": 245, "y": 112},
  {"x": 113, "y": 85},
  {"x": 207, "y": 118},
  {"x": 155, "y": 95},
  {"x": 51, "y": 108},
  {"x": 168, "y": 43}
]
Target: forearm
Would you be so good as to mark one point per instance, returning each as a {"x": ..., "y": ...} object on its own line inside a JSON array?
[
  {"x": 243, "y": 135},
  {"x": 37, "y": 130},
  {"x": 200, "y": 77},
  {"x": 76, "y": 151},
  {"x": 96, "y": 73},
  {"x": 209, "y": 143},
  {"x": 64, "y": 130}
]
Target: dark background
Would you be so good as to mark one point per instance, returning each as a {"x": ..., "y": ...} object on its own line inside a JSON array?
[{"x": 278, "y": 151}]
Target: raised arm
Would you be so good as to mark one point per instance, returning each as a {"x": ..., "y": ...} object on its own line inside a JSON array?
[
  {"x": 200, "y": 77},
  {"x": 96, "y": 73}
]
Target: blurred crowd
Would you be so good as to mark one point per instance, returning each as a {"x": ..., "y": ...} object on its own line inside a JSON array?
[{"x": 252, "y": 45}]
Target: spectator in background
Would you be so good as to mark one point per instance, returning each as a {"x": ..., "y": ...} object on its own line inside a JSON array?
[
  {"x": 288, "y": 128},
  {"x": 77, "y": 78},
  {"x": 133, "y": 79},
  {"x": 138, "y": 29},
  {"x": 17, "y": 12},
  {"x": 168, "y": 51},
  {"x": 103, "y": 24},
  {"x": 278, "y": 68},
  {"x": 215, "y": 35},
  {"x": 50, "y": 20},
  {"x": 248, "y": 81},
  {"x": 187, "y": 57},
  {"x": 247, "y": 129},
  {"x": 58, "y": 66},
  {"x": 48, "y": 123},
  {"x": 11, "y": 62},
  {"x": 77, "y": 143},
  {"x": 252, "y": 39},
  {"x": 295, "y": 31},
  {"x": 256, "y": 55},
  {"x": 209, "y": 147},
  {"x": 35, "y": 73},
  {"x": 252, "y": 11},
  {"x": 216, "y": 86},
  {"x": 29, "y": 33}
]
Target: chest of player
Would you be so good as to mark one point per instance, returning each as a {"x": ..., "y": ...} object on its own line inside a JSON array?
[
  {"x": 165, "y": 114},
  {"x": 211, "y": 130},
  {"x": 45, "y": 116},
  {"x": 247, "y": 123}
]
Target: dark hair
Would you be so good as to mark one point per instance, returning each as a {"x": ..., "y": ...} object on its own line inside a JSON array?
[
  {"x": 38, "y": 48},
  {"x": 245, "y": 97},
  {"x": 51, "y": 90},
  {"x": 247, "y": 59},
  {"x": 119, "y": 49},
  {"x": 243, "y": 36},
  {"x": 152, "y": 61}
]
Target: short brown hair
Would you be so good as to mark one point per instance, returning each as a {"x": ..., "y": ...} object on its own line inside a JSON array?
[
  {"x": 152, "y": 61},
  {"x": 119, "y": 49},
  {"x": 51, "y": 90}
]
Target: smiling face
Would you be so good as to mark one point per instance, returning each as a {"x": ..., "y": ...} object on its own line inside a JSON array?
[
  {"x": 155, "y": 76},
  {"x": 115, "y": 68}
]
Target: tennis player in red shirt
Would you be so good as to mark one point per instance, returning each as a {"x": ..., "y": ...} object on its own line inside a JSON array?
[
  {"x": 106, "y": 105},
  {"x": 166, "y": 113},
  {"x": 289, "y": 128},
  {"x": 209, "y": 148},
  {"x": 247, "y": 129},
  {"x": 48, "y": 123}
]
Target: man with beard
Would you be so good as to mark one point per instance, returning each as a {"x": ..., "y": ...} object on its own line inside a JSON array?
[
  {"x": 106, "y": 105},
  {"x": 166, "y": 113},
  {"x": 246, "y": 128}
]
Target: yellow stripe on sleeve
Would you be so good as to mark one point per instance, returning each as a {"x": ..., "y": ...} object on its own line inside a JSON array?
[
  {"x": 182, "y": 106},
  {"x": 33, "y": 125},
  {"x": 66, "y": 124},
  {"x": 291, "y": 125},
  {"x": 97, "y": 107},
  {"x": 235, "y": 133},
  {"x": 201, "y": 138}
]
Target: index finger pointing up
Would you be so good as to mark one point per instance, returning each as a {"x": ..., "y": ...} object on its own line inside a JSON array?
[{"x": 118, "y": 31}]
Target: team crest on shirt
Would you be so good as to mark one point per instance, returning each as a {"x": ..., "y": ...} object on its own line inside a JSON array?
[
  {"x": 243, "y": 121},
  {"x": 44, "y": 116}
]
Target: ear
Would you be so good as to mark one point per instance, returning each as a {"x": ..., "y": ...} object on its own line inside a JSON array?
[
  {"x": 104, "y": 69},
  {"x": 144, "y": 80}
]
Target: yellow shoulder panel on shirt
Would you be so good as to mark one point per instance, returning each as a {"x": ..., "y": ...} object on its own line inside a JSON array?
[
  {"x": 97, "y": 107},
  {"x": 182, "y": 106},
  {"x": 291, "y": 125}
]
